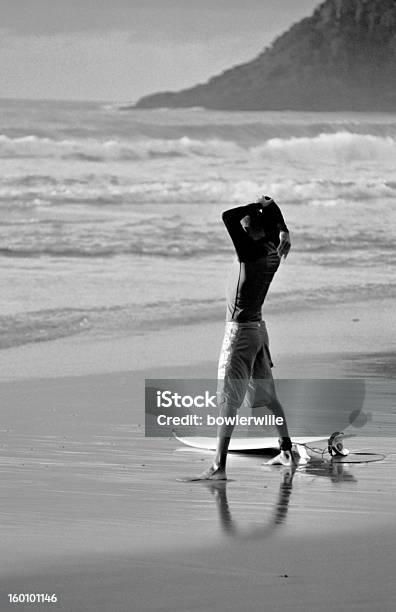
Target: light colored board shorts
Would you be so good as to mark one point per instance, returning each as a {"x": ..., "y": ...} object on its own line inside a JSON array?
[{"x": 244, "y": 372}]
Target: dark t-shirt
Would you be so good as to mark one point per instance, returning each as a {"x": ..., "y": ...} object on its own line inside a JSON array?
[{"x": 256, "y": 262}]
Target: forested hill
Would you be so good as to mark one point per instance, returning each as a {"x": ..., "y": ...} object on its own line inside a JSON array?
[{"x": 343, "y": 57}]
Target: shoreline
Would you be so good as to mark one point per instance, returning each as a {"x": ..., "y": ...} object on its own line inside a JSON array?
[{"x": 333, "y": 331}]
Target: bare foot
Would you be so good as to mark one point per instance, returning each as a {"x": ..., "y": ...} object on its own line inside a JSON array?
[
  {"x": 284, "y": 458},
  {"x": 212, "y": 473}
]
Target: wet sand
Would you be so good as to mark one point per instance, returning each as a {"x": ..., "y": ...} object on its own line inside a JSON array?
[{"x": 92, "y": 511}]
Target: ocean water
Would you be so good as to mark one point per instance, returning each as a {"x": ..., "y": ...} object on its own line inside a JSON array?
[{"x": 110, "y": 219}]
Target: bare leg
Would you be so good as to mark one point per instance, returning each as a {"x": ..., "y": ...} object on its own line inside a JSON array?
[
  {"x": 266, "y": 399},
  {"x": 217, "y": 471},
  {"x": 265, "y": 395}
]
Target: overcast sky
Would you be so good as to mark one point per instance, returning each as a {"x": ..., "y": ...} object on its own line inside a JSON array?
[{"x": 119, "y": 50}]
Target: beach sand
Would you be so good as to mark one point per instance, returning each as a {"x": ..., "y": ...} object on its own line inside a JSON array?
[{"x": 93, "y": 511}]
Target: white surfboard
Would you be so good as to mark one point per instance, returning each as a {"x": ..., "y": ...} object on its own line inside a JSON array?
[{"x": 246, "y": 444}]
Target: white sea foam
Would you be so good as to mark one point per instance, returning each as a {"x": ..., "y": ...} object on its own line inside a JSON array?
[
  {"x": 95, "y": 150},
  {"x": 98, "y": 191},
  {"x": 339, "y": 146}
]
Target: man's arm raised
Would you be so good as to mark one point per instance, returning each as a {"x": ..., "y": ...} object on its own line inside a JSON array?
[{"x": 232, "y": 220}]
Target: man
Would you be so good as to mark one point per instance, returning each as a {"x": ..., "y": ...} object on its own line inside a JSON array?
[{"x": 261, "y": 238}]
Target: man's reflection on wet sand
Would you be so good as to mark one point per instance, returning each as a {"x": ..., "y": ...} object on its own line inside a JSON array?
[{"x": 337, "y": 472}]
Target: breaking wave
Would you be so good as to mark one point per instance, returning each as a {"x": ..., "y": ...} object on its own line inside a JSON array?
[
  {"x": 90, "y": 149},
  {"x": 341, "y": 146},
  {"x": 338, "y": 146},
  {"x": 107, "y": 190}
]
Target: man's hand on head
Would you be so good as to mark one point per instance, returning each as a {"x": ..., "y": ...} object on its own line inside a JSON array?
[{"x": 284, "y": 244}]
